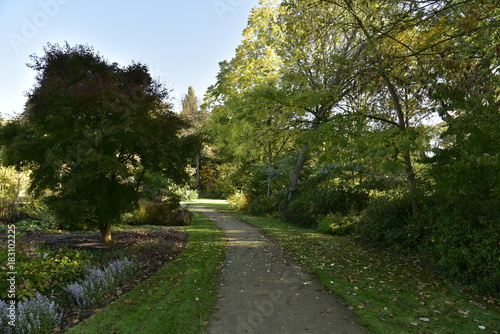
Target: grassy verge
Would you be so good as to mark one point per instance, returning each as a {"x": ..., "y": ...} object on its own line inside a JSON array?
[
  {"x": 390, "y": 293},
  {"x": 177, "y": 299}
]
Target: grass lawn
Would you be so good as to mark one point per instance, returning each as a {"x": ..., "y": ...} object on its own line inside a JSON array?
[
  {"x": 177, "y": 299},
  {"x": 389, "y": 292}
]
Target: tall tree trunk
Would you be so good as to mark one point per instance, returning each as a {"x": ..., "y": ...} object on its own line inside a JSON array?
[
  {"x": 271, "y": 165},
  {"x": 105, "y": 229},
  {"x": 410, "y": 172},
  {"x": 296, "y": 172},
  {"x": 198, "y": 174},
  {"x": 17, "y": 203}
]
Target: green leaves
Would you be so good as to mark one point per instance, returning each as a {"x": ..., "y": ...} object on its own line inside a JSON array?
[{"x": 88, "y": 127}]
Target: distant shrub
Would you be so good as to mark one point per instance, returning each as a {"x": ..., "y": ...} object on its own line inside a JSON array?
[
  {"x": 388, "y": 222},
  {"x": 182, "y": 217},
  {"x": 300, "y": 213},
  {"x": 239, "y": 201},
  {"x": 337, "y": 224},
  {"x": 162, "y": 212},
  {"x": 33, "y": 225},
  {"x": 309, "y": 205}
]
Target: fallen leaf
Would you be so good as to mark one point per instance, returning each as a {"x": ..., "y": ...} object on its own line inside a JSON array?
[
  {"x": 129, "y": 301},
  {"x": 424, "y": 319}
]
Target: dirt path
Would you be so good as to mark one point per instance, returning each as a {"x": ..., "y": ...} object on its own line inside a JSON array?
[{"x": 262, "y": 290}]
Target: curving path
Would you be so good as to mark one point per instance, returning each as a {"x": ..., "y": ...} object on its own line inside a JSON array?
[{"x": 262, "y": 290}]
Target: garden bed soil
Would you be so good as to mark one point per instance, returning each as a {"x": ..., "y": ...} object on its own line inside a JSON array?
[{"x": 151, "y": 248}]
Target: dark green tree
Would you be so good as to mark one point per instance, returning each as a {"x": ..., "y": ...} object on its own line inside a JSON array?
[{"x": 90, "y": 131}]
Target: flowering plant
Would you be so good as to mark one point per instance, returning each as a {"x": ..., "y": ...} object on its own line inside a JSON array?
[{"x": 35, "y": 315}]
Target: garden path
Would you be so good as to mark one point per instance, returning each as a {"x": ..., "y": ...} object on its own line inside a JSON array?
[{"x": 263, "y": 290}]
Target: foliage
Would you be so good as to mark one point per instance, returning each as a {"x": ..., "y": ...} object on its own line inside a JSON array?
[
  {"x": 9, "y": 178},
  {"x": 86, "y": 131},
  {"x": 182, "y": 217},
  {"x": 35, "y": 315},
  {"x": 465, "y": 244},
  {"x": 159, "y": 213},
  {"x": 31, "y": 225},
  {"x": 40, "y": 269},
  {"x": 311, "y": 203},
  {"x": 337, "y": 224},
  {"x": 97, "y": 283},
  {"x": 37, "y": 209},
  {"x": 388, "y": 222},
  {"x": 239, "y": 201}
]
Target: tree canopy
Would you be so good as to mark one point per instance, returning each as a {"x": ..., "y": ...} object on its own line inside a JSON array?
[
  {"x": 89, "y": 132},
  {"x": 384, "y": 110}
]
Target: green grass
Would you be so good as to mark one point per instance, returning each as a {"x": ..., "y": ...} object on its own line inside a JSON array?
[
  {"x": 390, "y": 293},
  {"x": 177, "y": 299}
]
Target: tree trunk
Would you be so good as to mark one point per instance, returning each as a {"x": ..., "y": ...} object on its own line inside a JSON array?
[
  {"x": 105, "y": 232},
  {"x": 412, "y": 182},
  {"x": 296, "y": 173},
  {"x": 198, "y": 174},
  {"x": 271, "y": 164},
  {"x": 410, "y": 172}
]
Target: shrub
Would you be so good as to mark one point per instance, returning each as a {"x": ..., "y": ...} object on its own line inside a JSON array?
[
  {"x": 336, "y": 224},
  {"x": 388, "y": 222},
  {"x": 239, "y": 201},
  {"x": 163, "y": 212},
  {"x": 97, "y": 283},
  {"x": 33, "y": 225},
  {"x": 300, "y": 213},
  {"x": 150, "y": 213},
  {"x": 466, "y": 245},
  {"x": 181, "y": 217},
  {"x": 309, "y": 205},
  {"x": 36, "y": 315}
]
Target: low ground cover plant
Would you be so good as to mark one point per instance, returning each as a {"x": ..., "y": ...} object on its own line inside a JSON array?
[
  {"x": 37, "y": 315},
  {"x": 41, "y": 269},
  {"x": 93, "y": 288}
]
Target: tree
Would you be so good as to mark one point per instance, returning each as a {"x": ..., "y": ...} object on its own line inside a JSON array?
[
  {"x": 89, "y": 132},
  {"x": 249, "y": 127},
  {"x": 196, "y": 119}
]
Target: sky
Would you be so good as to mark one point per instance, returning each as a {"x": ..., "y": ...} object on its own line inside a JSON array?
[{"x": 181, "y": 41}]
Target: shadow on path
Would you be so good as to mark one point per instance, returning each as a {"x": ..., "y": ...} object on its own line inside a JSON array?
[{"x": 262, "y": 290}]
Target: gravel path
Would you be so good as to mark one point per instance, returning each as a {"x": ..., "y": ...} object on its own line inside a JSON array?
[{"x": 262, "y": 290}]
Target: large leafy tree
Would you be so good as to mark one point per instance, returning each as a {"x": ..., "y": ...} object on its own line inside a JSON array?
[
  {"x": 90, "y": 131},
  {"x": 252, "y": 128}
]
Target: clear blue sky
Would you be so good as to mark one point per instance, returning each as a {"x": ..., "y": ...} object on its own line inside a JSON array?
[{"x": 182, "y": 41}]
